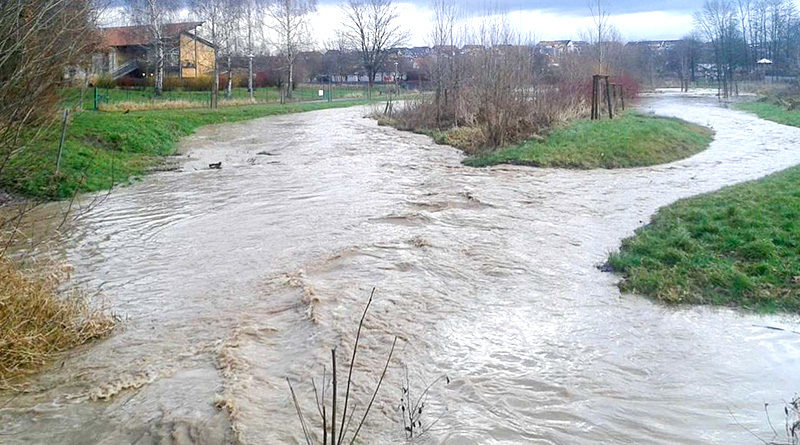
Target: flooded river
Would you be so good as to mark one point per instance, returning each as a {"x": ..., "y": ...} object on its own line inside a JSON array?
[{"x": 230, "y": 280}]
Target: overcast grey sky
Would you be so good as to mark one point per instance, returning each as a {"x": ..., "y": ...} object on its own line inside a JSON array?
[
  {"x": 541, "y": 19},
  {"x": 533, "y": 19},
  {"x": 567, "y": 6}
]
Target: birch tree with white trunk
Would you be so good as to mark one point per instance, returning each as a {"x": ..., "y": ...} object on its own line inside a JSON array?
[
  {"x": 232, "y": 12},
  {"x": 154, "y": 15},
  {"x": 252, "y": 12}
]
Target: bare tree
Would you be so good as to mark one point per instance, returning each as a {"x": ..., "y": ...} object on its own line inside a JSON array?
[
  {"x": 745, "y": 8},
  {"x": 289, "y": 22},
  {"x": 154, "y": 14},
  {"x": 602, "y": 35},
  {"x": 684, "y": 58},
  {"x": 718, "y": 23},
  {"x": 338, "y": 60},
  {"x": 252, "y": 12},
  {"x": 371, "y": 29},
  {"x": 214, "y": 14},
  {"x": 39, "y": 41},
  {"x": 232, "y": 12},
  {"x": 444, "y": 54}
]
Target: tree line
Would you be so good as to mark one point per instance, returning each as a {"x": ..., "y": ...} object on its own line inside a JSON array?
[
  {"x": 743, "y": 33},
  {"x": 248, "y": 27}
]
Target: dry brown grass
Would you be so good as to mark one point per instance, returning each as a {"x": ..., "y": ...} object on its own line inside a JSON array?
[
  {"x": 38, "y": 322},
  {"x": 170, "y": 105}
]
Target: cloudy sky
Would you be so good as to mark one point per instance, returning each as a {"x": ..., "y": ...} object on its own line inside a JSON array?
[
  {"x": 542, "y": 19},
  {"x": 533, "y": 19}
]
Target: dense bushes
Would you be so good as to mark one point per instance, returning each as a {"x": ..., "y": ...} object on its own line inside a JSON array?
[
  {"x": 202, "y": 83},
  {"x": 499, "y": 91},
  {"x": 104, "y": 81},
  {"x": 494, "y": 92},
  {"x": 133, "y": 82}
]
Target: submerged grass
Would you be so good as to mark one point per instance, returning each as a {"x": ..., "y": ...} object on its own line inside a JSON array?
[
  {"x": 37, "y": 322},
  {"x": 632, "y": 140},
  {"x": 739, "y": 246},
  {"x": 104, "y": 149}
]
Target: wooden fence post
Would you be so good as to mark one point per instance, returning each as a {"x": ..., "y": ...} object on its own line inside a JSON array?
[
  {"x": 608, "y": 100},
  {"x": 614, "y": 95},
  {"x": 594, "y": 97},
  {"x": 61, "y": 141}
]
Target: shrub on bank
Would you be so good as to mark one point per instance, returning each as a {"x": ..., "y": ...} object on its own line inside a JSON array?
[
  {"x": 202, "y": 83},
  {"x": 104, "y": 82},
  {"x": 37, "y": 322}
]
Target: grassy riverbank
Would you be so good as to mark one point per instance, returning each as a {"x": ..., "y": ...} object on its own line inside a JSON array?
[
  {"x": 739, "y": 246},
  {"x": 113, "y": 97},
  {"x": 769, "y": 110},
  {"x": 632, "y": 140},
  {"x": 104, "y": 149}
]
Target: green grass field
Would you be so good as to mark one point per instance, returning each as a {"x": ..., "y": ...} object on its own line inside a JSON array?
[
  {"x": 632, "y": 140},
  {"x": 105, "y": 149},
  {"x": 739, "y": 246},
  {"x": 772, "y": 112}
]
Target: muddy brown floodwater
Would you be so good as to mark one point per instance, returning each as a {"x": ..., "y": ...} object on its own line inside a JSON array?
[{"x": 232, "y": 279}]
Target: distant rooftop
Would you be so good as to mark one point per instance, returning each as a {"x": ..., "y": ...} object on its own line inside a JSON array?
[{"x": 141, "y": 35}]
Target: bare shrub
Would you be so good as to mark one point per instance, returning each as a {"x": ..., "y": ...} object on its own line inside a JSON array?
[
  {"x": 415, "y": 409},
  {"x": 340, "y": 431},
  {"x": 39, "y": 40},
  {"x": 488, "y": 81}
]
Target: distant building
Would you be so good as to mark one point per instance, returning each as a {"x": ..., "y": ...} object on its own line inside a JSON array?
[
  {"x": 131, "y": 51},
  {"x": 554, "y": 50},
  {"x": 472, "y": 49},
  {"x": 656, "y": 46},
  {"x": 418, "y": 51}
]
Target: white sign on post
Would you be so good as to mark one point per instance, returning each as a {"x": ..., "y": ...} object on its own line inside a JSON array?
[{"x": 321, "y": 93}]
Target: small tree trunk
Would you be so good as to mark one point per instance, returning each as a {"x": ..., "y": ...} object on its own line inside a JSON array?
[
  {"x": 229, "y": 92},
  {"x": 84, "y": 86},
  {"x": 290, "y": 86},
  {"x": 250, "y": 79},
  {"x": 159, "y": 81},
  {"x": 215, "y": 83},
  {"x": 250, "y": 88},
  {"x": 370, "y": 84}
]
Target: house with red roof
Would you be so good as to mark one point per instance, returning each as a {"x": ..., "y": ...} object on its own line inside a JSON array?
[{"x": 131, "y": 51}]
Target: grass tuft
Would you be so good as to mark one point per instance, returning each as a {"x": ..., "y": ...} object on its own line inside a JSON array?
[
  {"x": 37, "y": 322},
  {"x": 632, "y": 140}
]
